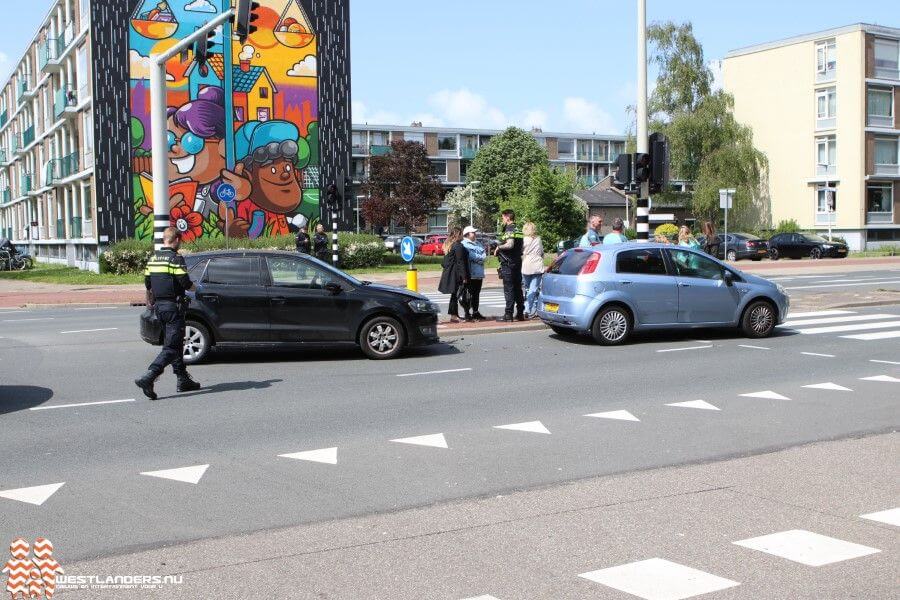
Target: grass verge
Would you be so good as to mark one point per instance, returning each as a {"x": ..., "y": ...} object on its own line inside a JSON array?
[{"x": 59, "y": 274}]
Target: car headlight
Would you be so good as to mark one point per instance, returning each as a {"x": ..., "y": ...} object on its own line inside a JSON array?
[
  {"x": 826, "y": 246},
  {"x": 424, "y": 306}
]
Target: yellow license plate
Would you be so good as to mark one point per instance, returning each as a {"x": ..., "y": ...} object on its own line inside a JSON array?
[{"x": 551, "y": 307}]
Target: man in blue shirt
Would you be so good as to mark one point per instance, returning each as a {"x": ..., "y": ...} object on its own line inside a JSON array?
[
  {"x": 616, "y": 237},
  {"x": 592, "y": 237}
]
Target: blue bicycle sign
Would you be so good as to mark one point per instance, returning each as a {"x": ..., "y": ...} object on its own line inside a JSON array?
[{"x": 408, "y": 249}]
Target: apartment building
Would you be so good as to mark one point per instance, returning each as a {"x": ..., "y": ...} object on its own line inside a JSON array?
[
  {"x": 824, "y": 109},
  {"x": 451, "y": 150},
  {"x": 46, "y": 141}
]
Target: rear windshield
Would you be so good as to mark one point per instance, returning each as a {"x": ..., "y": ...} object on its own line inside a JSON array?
[
  {"x": 571, "y": 262},
  {"x": 748, "y": 236}
]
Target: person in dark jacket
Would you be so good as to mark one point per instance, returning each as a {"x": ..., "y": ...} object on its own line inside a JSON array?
[
  {"x": 320, "y": 244},
  {"x": 303, "y": 241},
  {"x": 166, "y": 279},
  {"x": 712, "y": 242},
  {"x": 456, "y": 275}
]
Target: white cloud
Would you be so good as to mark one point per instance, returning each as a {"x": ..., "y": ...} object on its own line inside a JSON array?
[
  {"x": 141, "y": 66},
  {"x": 201, "y": 6},
  {"x": 534, "y": 118},
  {"x": 362, "y": 114},
  {"x": 247, "y": 52},
  {"x": 463, "y": 108},
  {"x": 583, "y": 116},
  {"x": 307, "y": 67},
  {"x": 5, "y": 66}
]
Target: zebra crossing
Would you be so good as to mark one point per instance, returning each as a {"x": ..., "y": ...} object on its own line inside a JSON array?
[
  {"x": 853, "y": 325},
  {"x": 491, "y": 299}
]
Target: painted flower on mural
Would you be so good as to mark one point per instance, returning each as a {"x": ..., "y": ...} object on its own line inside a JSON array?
[{"x": 188, "y": 222}]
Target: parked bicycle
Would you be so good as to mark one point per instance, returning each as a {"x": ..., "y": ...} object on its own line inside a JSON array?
[{"x": 13, "y": 260}]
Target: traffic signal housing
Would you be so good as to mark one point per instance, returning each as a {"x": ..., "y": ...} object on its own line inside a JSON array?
[
  {"x": 333, "y": 197},
  {"x": 642, "y": 167},
  {"x": 659, "y": 159},
  {"x": 246, "y": 15},
  {"x": 623, "y": 178}
]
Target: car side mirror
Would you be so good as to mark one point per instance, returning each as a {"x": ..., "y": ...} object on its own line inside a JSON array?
[
  {"x": 333, "y": 288},
  {"x": 728, "y": 276}
]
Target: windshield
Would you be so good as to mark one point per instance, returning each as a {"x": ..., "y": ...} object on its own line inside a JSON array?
[
  {"x": 815, "y": 238},
  {"x": 748, "y": 236},
  {"x": 349, "y": 278}
]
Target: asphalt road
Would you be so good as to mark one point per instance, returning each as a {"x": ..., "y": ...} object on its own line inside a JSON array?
[{"x": 464, "y": 393}]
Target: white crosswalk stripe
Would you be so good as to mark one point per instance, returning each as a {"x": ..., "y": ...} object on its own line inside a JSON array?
[{"x": 849, "y": 322}]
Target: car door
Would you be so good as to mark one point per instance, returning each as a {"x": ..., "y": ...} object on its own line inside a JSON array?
[
  {"x": 703, "y": 295},
  {"x": 303, "y": 304},
  {"x": 642, "y": 275},
  {"x": 233, "y": 298},
  {"x": 795, "y": 247}
]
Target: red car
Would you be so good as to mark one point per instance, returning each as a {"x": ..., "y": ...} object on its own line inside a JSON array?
[{"x": 433, "y": 246}]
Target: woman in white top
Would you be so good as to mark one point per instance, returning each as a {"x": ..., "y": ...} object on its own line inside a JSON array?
[{"x": 532, "y": 268}]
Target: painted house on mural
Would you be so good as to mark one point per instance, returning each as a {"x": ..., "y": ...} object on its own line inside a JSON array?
[{"x": 75, "y": 166}]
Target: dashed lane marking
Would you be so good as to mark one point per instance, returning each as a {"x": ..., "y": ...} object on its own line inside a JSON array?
[
  {"x": 828, "y": 386},
  {"x": 659, "y": 579},
  {"x": 885, "y": 362},
  {"x": 79, "y": 404},
  {"x": 881, "y": 378},
  {"x": 683, "y": 349},
  {"x": 891, "y": 517},
  {"x": 817, "y": 354},
  {"x": 528, "y": 427},
  {"x": 807, "y": 548},
  {"x": 24, "y": 320},
  {"x": 91, "y": 330},
  {"x": 433, "y": 372},
  {"x": 753, "y": 347},
  {"x": 700, "y": 404}
]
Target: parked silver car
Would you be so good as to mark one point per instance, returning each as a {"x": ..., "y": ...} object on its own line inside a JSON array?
[{"x": 611, "y": 291}]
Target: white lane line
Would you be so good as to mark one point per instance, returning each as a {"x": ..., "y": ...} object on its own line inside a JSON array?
[
  {"x": 682, "y": 349},
  {"x": 891, "y": 517},
  {"x": 753, "y": 347},
  {"x": 91, "y": 330},
  {"x": 817, "y": 354},
  {"x": 433, "y": 372},
  {"x": 80, "y": 404},
  {"x": 529, "y": 427},
  {"x": 843, "y": 328},
  {"x": 659, "y": 579},
  {"x": 834, "y": 285},
  {"x": 881, "y": 378},
  {"x": 819, "y": 313},
  {"x": 97, "y": 308},
  {"x": 806, "y": 547},
  {"x": 885, "y": 362},
  {"x": 22, "y": 320},
  {"x": 881, "y": 335},
  {"x": 11, "y": 312},
  {"x": 826, "y": 321},
  {"x": 830, "y": 386}
]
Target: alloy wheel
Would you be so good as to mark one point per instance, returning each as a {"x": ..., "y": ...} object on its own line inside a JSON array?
[
  {"x": 773, "y": 253},
  {"x": 613, "y": 325},
  {"x": 194, "y": 343},
  {"x": 761, "y": 319},
  {"x": 816, "y": 254},
  {"x": 732, "y": 255},
  {"x": 383, "y": 338}
]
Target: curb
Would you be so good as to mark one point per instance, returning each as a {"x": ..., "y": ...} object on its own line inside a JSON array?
[{"x": 492, "y": 329}]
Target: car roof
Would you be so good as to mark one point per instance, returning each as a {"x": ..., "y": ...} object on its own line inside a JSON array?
[{"x": 238, "y": 253}]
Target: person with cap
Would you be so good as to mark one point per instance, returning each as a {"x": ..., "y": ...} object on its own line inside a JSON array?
[
  {"x": 268, "y": 151},
  {"x": 510, "y": 254},
  {"x": 477, "y": 256},
  {"x": 617, "y": 236},
  {"x": 166, "y": 279}
]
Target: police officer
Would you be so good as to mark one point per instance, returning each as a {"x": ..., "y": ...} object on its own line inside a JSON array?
[
  {"x": 166, "y": 280},
  {"x": 510, "y": 254}
]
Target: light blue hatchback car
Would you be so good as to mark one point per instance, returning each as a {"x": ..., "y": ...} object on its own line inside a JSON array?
[{"x": 611, "y": 291}]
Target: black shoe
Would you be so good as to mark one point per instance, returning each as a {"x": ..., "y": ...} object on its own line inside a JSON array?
[
  {"x": 520, "y": 317},
  {"x": 477, "y": 316},
  {"x": 505, "y": 319},
  {"x": 146, "y": 384},
  {"x": 186, "y": 384}
]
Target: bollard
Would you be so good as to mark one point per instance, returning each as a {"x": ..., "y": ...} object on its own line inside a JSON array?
[{"x": 412, "y": 279}]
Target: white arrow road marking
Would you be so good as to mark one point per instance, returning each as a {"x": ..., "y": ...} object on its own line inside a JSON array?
[
  {"x": 766, "y": 395},
  {"x": 436, "y": 440},
  {"x": 885, "y": 362},
  {"x": 891, "y": 517},
  {"x": 617, "y": 415},
  {"x": 36, "y": 495},
  {"x": 828, "y": 386},
  {"x": 530, "y": 427},
  {"x": 327, "y": 456},
  {"x": 701, "y": 404},
  {"x": 185, "y": 474},
  {"x": 881, "y": 378}
]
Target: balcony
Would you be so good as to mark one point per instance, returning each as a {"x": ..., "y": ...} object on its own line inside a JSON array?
[
  {"x": 65, "y": 104},
  {"x": 6, "y": 196},
  {"x": 584, "y": 157},
  {"x": 359, "y": 150},
  {"x": 59, "y": 169},
  {"x": 468, "y": 153},
  {"x": 48, "y": 57},
  {"x": 24, "y": 90},
  {"x": 75, "y": 227},
  {"x": 27, "y": 137},
  {"x": 60, "y": 229},
  {"x": 4, "y": 118},
  {"x": 889, "y": 169},
  {"x": 26, "y": 184},
  {"x": 876, "y": 218},
  {"x": 880, "y": 121},
  {"x": 379, "y": 150}
]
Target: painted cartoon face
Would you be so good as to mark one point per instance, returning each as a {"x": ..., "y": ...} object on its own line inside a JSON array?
[
  {"x": 193, "y": 157},
  {"x": 276, "y": 186}
]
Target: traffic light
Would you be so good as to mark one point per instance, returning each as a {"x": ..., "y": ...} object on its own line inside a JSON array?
[
  {"x": 333, "y": 197},
  {"x": 202, "y": 51},
  {"x": 659, "y": 168},
  {"x": 642, "y": 167},
  {"x": 623, "y": 178},
  {"x": 246, "y": 15}
]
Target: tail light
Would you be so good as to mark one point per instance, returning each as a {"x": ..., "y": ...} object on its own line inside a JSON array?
[{"x": 591, "y": 265}]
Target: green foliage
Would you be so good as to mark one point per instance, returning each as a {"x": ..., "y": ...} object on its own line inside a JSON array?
[
  {"x": 460, "y": 202},
  {"x": 630, "y": 233},
  {"x": 304, "y": 153},
  {"x": 128, "y": 256},
  {"x": 684, "y": 79},
  {"x": 555, "y": 210},
  {"x": 787, "y": 226},
  {"x": 360, "y": 251},
  {"x": 137, "y": 132},
  {"x": 666, "y": 229},
  {"x": 504, "y": 168},
  {"x": 312, "y": 139}
]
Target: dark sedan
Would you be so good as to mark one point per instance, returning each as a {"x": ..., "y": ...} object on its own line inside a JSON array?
[
  {"x": 252, "y": 297},
  {"x": 800, "y": 245},
  {"x": 742, "y": 246}
]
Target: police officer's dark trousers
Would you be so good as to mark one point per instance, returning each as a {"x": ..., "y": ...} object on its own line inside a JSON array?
[
  {"x": 512, "y": 290},
  {"x": 172, "y": 318}
]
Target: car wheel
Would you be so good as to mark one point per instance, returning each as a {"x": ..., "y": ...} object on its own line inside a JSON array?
[
  {"x": 564, "y": 331},
  {"x": 773, "y": 254},
  {"x": 759, "y": 320},
  {"x": 731, "y": 256},
  {"x": 612, "y": 326},
  {"x": 382, "y": 338},
  {"x": 815, "y": 254},
  {"x": 197, "y": 342}
]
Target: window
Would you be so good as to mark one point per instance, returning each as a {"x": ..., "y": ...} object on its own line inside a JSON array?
[
  {"x": 641, "y": 262},
  {"x": 823, "y": 196},
  {"x": 601, "y": 151},
  {"x": 439, "y": 168},
  {"x": 233, "y": 271},
  {"x": 239, "y": 114},
  {"x": 566, "y": 147},
  {"x": 195, "y": 273},
  {"x": 359, "y": 169},
  {"x": 880, "y": 203},
  {"x": 298, "y": 273},
  {"x": 81, "y": 72},
  {"x": 437, "y": 221},
  {"x": 826, "y": 155},
  {"x": 571, "y": 262},
  {"x": 263, "y": 92},
  {"x": 358, "y": 137},
  {"x": 542, "y": 142},
  {"x": 584, "y": 150},
  {"x": 419, "y": 138},
  {"x": 826, "y": 108},
  {"x": 826, "y": 63},
  {"x": 886, "y": 157},
  {"x": 887, "y": 57},
  {"x": 484, "y": 140},
  {"x": 378, "y": 138},
  {"x": 447, "y": 143},
  {"x": 880, "y": 107},
  {"x": 691, "y": 264},
  {"x": 463, "y": 170}
]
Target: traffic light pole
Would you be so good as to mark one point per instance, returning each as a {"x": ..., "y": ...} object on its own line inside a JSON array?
[{"x": 642, "y": 216}]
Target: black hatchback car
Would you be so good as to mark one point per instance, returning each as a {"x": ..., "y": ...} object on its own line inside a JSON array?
[
  {"x": 742, "y": 246},
  {"x": 799, "y": 245},
  {"x": 253, "y": 297}
]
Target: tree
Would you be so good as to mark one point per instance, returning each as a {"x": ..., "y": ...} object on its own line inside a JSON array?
[
  {"x": 401, "y": 187},
  {"x": 556, "y": 211},
  {"x": 707, "y": 145},
  {"x": 504, "y": 168},
  {"x": 464, "y": 208}
]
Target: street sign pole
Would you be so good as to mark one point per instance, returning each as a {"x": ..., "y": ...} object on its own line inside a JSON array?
[
  {"x": 726, "y": 199},
  {"x": 642, "y": 216},
  {"x": 408, "y": 254}
]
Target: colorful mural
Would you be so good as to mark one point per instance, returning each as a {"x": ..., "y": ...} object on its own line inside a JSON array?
[{"x": 243, "y": 131}]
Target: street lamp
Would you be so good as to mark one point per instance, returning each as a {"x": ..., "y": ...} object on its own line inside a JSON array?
[{"x": 474, "y": 185}]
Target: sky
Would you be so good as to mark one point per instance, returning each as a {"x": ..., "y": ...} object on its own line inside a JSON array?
[{"x": 565, "y": 66}]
